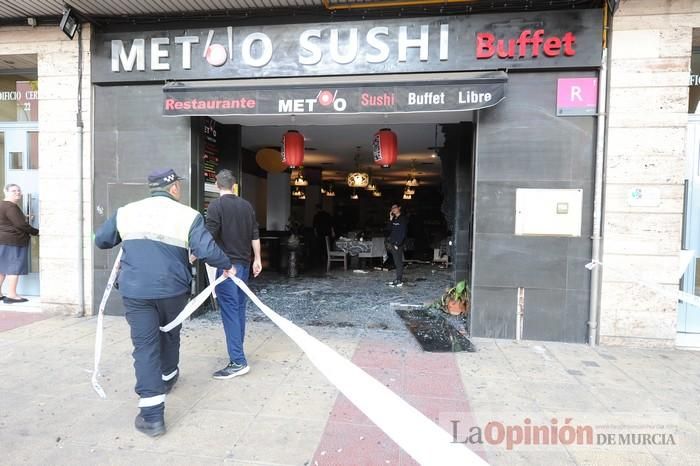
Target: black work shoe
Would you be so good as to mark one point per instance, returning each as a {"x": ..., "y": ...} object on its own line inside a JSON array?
[
  {"x": 232, "y": 370},
  {"x": 398, "y": 284},
  {"x": 152, "y": 429},
  {"x": 169, "y": 384}
]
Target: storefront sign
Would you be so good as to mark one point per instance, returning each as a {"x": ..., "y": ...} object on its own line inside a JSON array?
[
  {"x": 181, "y": 100},
  {"x": 569, "y": 39},
  {"x": 577, "y": 96},
  {"x": 19, "y": 100}
]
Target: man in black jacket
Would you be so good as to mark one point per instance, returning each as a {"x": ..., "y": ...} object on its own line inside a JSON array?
[
  {"x": 231, "y": 221},
  {"x": 397, "y": 227}
]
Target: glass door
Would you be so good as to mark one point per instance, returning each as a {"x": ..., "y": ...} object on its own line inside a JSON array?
[
  {"x": 20, "y": 147},
  {"x": 689, "y": 315}
]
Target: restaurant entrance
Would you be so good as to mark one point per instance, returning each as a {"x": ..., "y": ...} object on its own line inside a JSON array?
[{"x": 307, "y": 203}]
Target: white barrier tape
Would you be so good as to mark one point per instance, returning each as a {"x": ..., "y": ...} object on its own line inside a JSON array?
[
  {"x": 684, "y": 259},
  {"x": 100, "y": 320},
  {"x": 193, "y": 305},
  {"x": 421, "y": 438},
  {"x": 417, "y": 435}
]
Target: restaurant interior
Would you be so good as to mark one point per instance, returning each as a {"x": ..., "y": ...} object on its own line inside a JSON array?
[{"x": 339, "y": 191}]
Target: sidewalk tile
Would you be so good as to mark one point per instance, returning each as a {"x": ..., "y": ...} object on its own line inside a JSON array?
[
  {"x": 355, "y": 445},
  {"x": 272, "y": 440}
]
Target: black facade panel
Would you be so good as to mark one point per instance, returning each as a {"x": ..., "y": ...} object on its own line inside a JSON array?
[
  {"x": 517, "y": 261},
  {"x": 496, "y": 315},
  {"x": 521, "y": 143},
  {"x": 544, "y": 315},
  {"x": 131, "y": 139}
]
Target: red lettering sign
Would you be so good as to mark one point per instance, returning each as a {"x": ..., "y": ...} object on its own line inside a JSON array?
[{"x": 527, "y": 45}]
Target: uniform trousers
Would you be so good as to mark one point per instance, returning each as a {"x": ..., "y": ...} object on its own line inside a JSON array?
[{"x": 156, "y": 354}]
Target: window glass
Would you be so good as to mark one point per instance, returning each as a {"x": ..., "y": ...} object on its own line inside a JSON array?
[
  {"x": 19, "y": 88},
  {"x": 16, "y": 160},
  {"x": 18, "y": 99},
  {"x": 694, "y": 95},
  {"x": 33, "y": 150}
]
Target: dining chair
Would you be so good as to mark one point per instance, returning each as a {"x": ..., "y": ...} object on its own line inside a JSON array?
[{"x": 335, "y": 256}]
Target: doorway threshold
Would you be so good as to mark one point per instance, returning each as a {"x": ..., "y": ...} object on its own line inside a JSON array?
[{"x": 688, "y": 341}]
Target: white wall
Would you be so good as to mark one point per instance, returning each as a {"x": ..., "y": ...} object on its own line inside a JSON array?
[
  {"x": 647, "y": 137},
  {"x": 59, "y": 161}
]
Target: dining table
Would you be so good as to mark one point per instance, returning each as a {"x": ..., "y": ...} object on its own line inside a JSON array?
[{"x": 353, "y": 246}]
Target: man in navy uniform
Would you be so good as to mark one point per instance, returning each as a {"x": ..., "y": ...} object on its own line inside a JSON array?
[{"x": 157, "y": 235}]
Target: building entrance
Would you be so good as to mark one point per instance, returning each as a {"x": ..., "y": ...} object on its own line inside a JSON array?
[{"x": 19, "y": 145}]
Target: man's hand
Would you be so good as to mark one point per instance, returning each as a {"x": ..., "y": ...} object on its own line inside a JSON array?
[
  {"x": 230, "y": 272},
  {"x": 257, "y": 267}
]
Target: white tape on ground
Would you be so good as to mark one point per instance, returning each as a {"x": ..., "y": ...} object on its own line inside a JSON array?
[
  {"x": 417, "y": 435},
  {"x": 100, "y": 320}
]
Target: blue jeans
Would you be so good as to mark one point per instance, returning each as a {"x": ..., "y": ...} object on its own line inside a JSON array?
[{"x": 232, "y": 301}]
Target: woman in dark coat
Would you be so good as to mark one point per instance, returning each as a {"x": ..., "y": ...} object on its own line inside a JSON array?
[{"x": 14, "y": 243}]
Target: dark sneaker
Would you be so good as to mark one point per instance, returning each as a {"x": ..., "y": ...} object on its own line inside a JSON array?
[
  {"x": 152, "y": 429},
  {"x": 398, "y": 284},
  {"x": 232, "y": 370},
  {"x": 391, "y": 283},
  {"x": 169, "y": 384}
]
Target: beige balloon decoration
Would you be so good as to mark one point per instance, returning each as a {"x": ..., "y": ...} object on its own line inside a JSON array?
[{"x": 270, "y": 160}]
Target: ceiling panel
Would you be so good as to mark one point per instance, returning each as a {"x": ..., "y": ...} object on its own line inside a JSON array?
[
  {"x": 333, "y": 149},
  {"x": 18, "y": 9}
]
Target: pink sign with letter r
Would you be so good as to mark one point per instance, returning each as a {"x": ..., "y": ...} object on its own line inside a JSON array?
[{"x": 577, "y": 96}]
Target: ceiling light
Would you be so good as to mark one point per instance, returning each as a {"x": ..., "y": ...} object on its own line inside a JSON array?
[
  {"x": 412, "y": 181},
  {"x": 358, "y": 179},
  {"x": 377, "y": 193},
  {"x": 297, "y": 192},
  {"x": 354, "y": 196},
  {"x": 300, "y": 180}
]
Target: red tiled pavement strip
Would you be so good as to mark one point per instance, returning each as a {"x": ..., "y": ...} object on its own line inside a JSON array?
[
  {"x": 10, "y": 320},
  {"x": 430, "y": 382}
]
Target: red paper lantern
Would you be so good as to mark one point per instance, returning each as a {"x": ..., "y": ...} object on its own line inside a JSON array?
[
  {"x": 293, "y": 149},
  {"x": 385, "y": 147}
]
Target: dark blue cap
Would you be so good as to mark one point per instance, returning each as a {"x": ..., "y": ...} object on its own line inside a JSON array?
[{"x": 160, "y": 178}]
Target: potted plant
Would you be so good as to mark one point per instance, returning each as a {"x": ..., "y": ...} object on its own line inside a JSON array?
[{"x": 456, "y": 300}]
